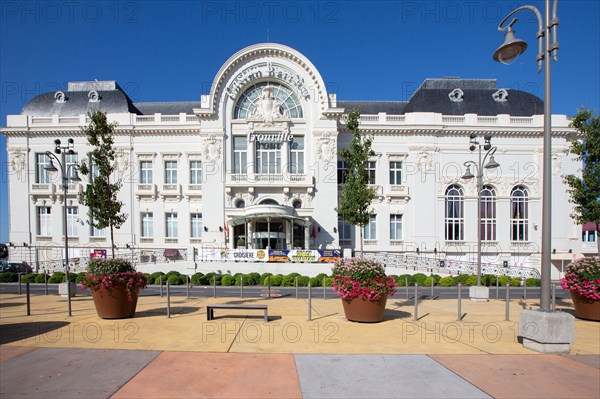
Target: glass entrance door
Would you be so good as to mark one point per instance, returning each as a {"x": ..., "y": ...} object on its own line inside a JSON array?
[{"x": 269, "y": 235}]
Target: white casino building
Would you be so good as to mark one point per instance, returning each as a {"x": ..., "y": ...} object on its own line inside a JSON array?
[{"x": 253, "y": 166}]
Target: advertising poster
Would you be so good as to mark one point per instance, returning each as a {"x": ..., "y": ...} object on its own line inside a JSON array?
[
  {"x": 98, "y": 254},
  {"x": 278, "y": 255},
  {"x": 303, "y": 255},
  {"x": 329, "y": 255}
]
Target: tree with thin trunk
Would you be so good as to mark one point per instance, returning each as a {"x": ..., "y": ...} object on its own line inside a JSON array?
[
  {"x": 354, "y": 205},
  {"x": 585, "y": 190},
  {"x": 100, "y": 195}
]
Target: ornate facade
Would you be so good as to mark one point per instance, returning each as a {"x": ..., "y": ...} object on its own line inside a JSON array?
[{"x": 254, "y": 165}]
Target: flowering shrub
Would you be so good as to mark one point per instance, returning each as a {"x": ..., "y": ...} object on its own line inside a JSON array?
[
  {"x": 583, "y": 276},
  {"x": 113, "y": 273},
  {"x": 360, "y": 277}
]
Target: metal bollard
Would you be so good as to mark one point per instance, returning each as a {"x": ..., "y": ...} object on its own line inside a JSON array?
[
  {"x": 242, "y": 287},
  {"x": 324, "y": 292},
  {"x": 432, "y": 281},
  {"x": 553, "y": 296},
  {"x": 46, "y": 283},
  {"x": 19, "y": 278},
  {"x": 168, "y": 300},
  {"x": 269, "y": 287},
  {"x": 187, "y": 286},
  {"x": 214, "y": 286},
  {"x": 28, "y": 299},
  {"x": 416, "y": 303},
  {"x": 406, "y": 285},
  {"x": 525, "y": 290},
  {"x": 160, "y": 281},
  {"x": 497, "y": 288},
  {"x": 507, "y": 318},
  {"x": 459, "y": 302},
  {"x": 309, "y": 303},
  {"x": 296, "y": 287}
]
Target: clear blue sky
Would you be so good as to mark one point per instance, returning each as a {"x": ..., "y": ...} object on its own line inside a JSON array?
[{"x": 365, "y": 50}]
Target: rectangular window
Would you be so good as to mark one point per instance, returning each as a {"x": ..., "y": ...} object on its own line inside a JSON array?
[
  {"x": 71, "y": 165},
  {"x": 371, "y": 169},
  {"x": 147, "y": 224},
  {"x": 240, "y": 155},
  {"x": 72, "y": 213},
  {"x": 396, "y": 173},
  {"x": 170, "y": 172},
  {"x": 96, "y": 232},
  {"x": 342, "y": 172},
  {"x": 345, "y": 230},
  {"x": 588, "y": 236},
  {"x": 41, "y": 174},
  {"x": 195, "y": 172},
  {"x": 297, "y": 155},
  {"x": 171, "y": 227},
  {"x": 196, "y": 225},
  {"x": 395, "y": 227},
  {"x": 145, "y": 172},
  {"x": 370, "y": 229},
  {"x": 268, "y": 158},
  {"x": 44, "y": 221}
]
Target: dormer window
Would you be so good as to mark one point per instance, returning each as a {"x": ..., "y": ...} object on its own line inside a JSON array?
[
  {"x": 60, "y": 97},
  {"x": 93, "y": 96},
  {"x": 456, "y": 95},
  {"x": 500, "y": 96}
]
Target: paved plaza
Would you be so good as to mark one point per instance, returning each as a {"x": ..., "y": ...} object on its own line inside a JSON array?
[{"x": 50, "y": 355}]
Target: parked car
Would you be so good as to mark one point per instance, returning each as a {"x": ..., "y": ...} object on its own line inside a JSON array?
[
  {"x": 15, "y": 267},
  {"x": 3, "y": 252}
]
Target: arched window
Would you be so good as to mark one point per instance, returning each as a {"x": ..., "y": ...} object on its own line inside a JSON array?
[
  {"x": 488, "y": 214},
  {"x": 268, "y": 201},
  {"x": 454, "y": 213},
  {"x": 519, "y": 214},
  {"x": 285, "y": 100}
]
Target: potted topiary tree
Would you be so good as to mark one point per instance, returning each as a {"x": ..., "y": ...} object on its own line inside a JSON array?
[
  {"x": 364, "y": 287},
  {"x": 115, "y": 286},
  {"x": 582, "y": 278}
]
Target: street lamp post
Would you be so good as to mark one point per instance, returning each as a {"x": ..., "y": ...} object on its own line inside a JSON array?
[
  {"x": 556, "y": 330},
  {"x": 64, "y": 169},
  {"x": 480, "y": 293}
]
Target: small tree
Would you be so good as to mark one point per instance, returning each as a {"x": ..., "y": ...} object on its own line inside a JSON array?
[
  {"x": 585, "y": 190},
  {"x": 100, "y": 195},
  {"x": 356, "y": 196}
]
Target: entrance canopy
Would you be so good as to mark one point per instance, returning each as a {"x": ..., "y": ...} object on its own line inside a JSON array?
[{"x": 266, "y": 212}]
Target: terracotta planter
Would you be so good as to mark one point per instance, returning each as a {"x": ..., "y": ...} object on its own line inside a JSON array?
[
  {"x": 585, "y": 308},
  {"x": 364, "y": 311},
  {"x": 114, "y": 303}
]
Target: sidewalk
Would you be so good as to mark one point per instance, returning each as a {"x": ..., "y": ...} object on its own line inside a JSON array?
[{"x": 239, "y": 355}]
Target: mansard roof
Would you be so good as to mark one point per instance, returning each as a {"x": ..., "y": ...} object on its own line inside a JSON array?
[{"x": 469, "y": 96}]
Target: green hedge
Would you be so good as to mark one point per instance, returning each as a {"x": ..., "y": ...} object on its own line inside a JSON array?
[
  {"x": 8, "y": 277},
  {"x": 533, "y": 282},
  {"x": 447, "y": 281},
  {"x": 40, "y": 278},
  {"x": 57, "y": 278},
  {"x": 28, "y": 278}
]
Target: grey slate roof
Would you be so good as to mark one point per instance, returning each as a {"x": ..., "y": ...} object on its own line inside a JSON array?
[
  {"x": 167, "y": 108},
  {"x": 77, "y": 103},
  {"x": 374, "y": 107},
  {"x": 431, "y": 96}
]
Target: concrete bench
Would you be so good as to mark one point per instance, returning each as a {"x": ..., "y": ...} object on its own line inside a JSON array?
[{"x": 210, "y": 309}]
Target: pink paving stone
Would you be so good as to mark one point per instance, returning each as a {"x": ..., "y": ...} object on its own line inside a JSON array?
[
  {"x": 526, "y": 376},
  {"x": 10, "y": 352},
  {"x": 215, "y": 375}
]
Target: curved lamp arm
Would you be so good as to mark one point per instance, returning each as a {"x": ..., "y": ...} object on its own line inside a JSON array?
[
  {"x": 488, "y": 153},
  {"x": 540, "y": 34}
]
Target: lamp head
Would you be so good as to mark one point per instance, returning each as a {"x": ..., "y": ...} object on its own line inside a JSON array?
[
  {"x": 51, "y": 167},
  {"x": 510, "y": 49},
  {"x": 468, "y": 174},
  {"x": 492, "y": 164},
  {"x": 76, "y": 178}
]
